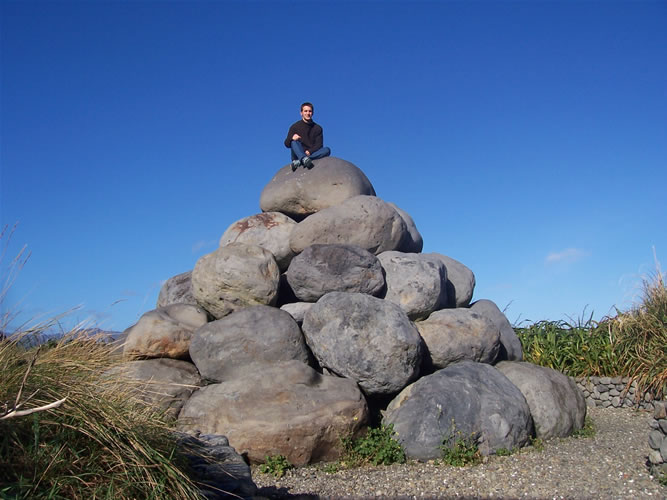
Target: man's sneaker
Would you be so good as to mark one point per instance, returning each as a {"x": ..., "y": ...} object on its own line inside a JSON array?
[
  {"x": 307, "y": 162},
  {"x": 295, "y": 164}
]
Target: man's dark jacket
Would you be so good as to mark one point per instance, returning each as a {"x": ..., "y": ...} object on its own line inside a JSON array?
[{"x": 312, "y": 136}]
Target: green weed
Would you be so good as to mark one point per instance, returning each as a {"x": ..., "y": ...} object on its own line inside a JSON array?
[
  {"x": 504, "y": 452},
  {"x": 587, "y": 431},
  {"x": 537, "y": 443},
  {"x": 459, "y": 450},
  {"x": 377, "y": 447},
  {"x": 277, "y": 465}
]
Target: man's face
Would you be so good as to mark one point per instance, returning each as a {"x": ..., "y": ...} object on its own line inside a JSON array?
[{"x": 307, "y": 113}]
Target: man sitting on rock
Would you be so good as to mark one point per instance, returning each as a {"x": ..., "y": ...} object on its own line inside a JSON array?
[{"x": 306, "y": 139}]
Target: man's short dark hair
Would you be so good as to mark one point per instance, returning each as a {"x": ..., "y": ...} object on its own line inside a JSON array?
[{"x": 307, "y": 104}]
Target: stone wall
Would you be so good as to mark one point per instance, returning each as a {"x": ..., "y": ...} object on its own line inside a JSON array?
[
  {"x": 619, "y": 392},
  {"x": 657, "y": 439},
  {"x": 616, "y": 392}
]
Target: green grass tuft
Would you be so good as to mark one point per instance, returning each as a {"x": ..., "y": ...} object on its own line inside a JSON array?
[
  {"x": 460, "y": 450},
  {"x": 587, "y": 431},
  {"x": 277, "y": 465},
  {"x": 376, "y": 447}
]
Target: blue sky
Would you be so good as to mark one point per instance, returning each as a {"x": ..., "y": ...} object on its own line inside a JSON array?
[{"x": 527, "y": 140}]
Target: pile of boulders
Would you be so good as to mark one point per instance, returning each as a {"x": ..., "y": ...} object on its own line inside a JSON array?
[{"x": 320, "y": 316}]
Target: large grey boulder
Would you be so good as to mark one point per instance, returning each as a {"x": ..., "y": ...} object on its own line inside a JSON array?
[
  {"x": 303, "y": 192},
  {"x": 464, "y": 400},
  {"x": 510, "y": 345},
  {"x": 166, "y": 383},
  {"x": 416, "y": 283},
  {"x": 268, "y": 230},
  {"x": 235, "y": 276},
  {"x": 557, "y": 405},
  {"x": 460, "y": 281},
  {"x": 177, "y": 290},
  {"x": 321, "y": 269},
  {"x": 366, "y": 339},
  {"x": 244, "y": 339},
  {"x": 164, "y": 332},
  {"x": 281, "y": 409},
  {"x": 453, "y": 335},
  {"x": 413, "y": 242},
  {"x": 365, "y": 221}
]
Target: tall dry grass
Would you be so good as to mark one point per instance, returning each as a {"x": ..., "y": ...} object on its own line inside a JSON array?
[{"x": 101, "y": 441}]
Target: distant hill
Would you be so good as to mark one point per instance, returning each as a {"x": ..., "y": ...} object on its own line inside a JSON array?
[{"x": 36, "y": 339}]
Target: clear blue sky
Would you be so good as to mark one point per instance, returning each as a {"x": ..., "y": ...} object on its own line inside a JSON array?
[{"x": 528, "y": 140}]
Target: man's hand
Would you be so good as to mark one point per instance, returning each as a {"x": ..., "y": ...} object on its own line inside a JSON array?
[{"x": 296, "y": 137}]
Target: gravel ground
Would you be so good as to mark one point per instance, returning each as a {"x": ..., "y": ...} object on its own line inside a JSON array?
[{"x": 610, "y": 465}]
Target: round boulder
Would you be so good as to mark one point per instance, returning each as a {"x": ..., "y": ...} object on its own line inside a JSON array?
[
  {"x": 510, "y": 345},
  {"x": 370, "y": 340},
  {"x": 167, "y": 383},
  {"x": 557, "y": 405},
  {"x": 460, "y": 281},
  {"x": 453, "y": 335},
  {"x": 306, "y": 191},
  {"x": 164, "y": 332},
  {"x": 268, "y": 230},
  {"x": 227, "y": 347},
  {"x": 365, "y": 221},
  {"x": 321, "y": 269},
  {"x": 235, "y": 276},
  {"x": 281, "y": 409},
  {"x": 177, "y": 290},
  {"x": 413, "y": 242},
  {"x": 416, "y": 283},
  {"x": 466, "y": 400}
]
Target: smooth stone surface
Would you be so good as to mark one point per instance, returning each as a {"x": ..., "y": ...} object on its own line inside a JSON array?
[
  {"x": 282, "y": 409},
  {"x": 365, "y": 221},
  {"x": 464, "y": 400},
  {"x": 556, "y": 403},
  {"x": 416, "y": 283},
  {"x": 510, "y": 345},
  {"x": 304, "y": 192},
  {"x": 321, "y": 269},
  {"x": 369, "y": 340},
  {"x": 244, "y": 339},
  {"x": 270, "y": 230},
  {"x": 235, "y": 276},
  {"x": 164, "y": 332},
  {"x": 177, "y": 290},
  {"x": 297, "y": 310},
  {"x": 166, "y": 383},
  {"x": 413, "y": 243},
  {"x": 453, "y": 335},
  {"x": 460, "y": 281}
]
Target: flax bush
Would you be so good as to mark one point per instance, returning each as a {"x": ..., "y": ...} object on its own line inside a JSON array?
[{"x": 631, "y": 343}]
